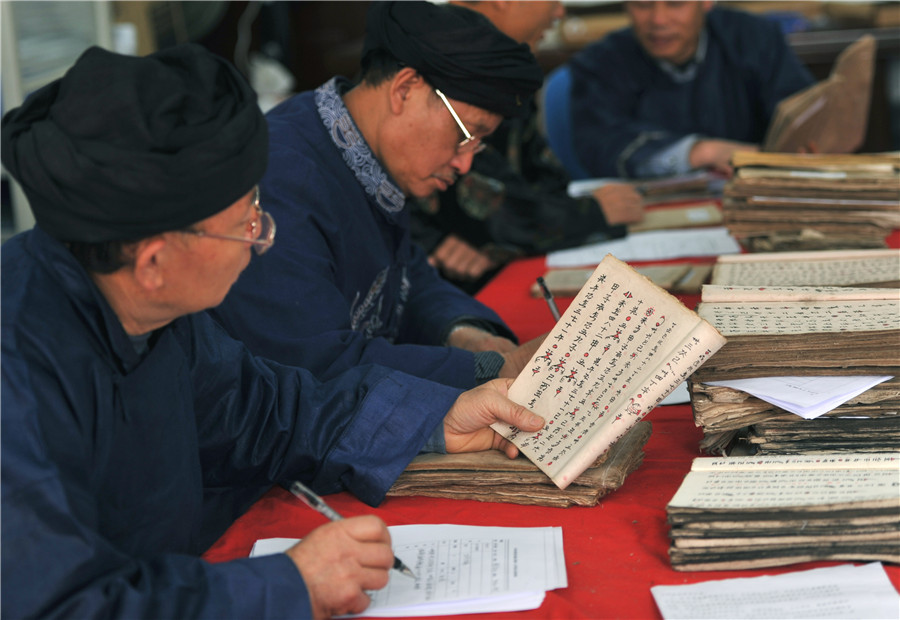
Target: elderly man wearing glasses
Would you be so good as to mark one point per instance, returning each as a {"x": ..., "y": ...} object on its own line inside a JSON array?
[
  {"x": 347, "y": 286},
  {"x": 134, "y": 430}
]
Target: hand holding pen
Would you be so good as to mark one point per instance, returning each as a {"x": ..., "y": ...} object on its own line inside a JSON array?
[{"x": 311, "y": 499}]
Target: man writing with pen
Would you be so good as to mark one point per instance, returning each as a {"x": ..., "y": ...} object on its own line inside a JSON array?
[{"x": 134, "y": 431}]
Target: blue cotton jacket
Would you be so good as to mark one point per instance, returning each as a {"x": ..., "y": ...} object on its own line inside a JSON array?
[
  {"x": 343, "y": 285},
  {"x": 118, "y": 469},
  {"x": 626, "y": 108}
]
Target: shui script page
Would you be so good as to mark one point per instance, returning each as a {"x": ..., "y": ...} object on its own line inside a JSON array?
[
  {"x": 620, "y": 348},
  {"x": 780, "y": 481},
  {"x": 836, "y": 268},
  {"x": 801, "y": 317}
]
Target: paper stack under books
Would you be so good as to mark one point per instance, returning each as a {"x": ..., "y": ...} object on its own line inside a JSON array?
[
  {"x": 620, "y": 348},
  {"x": 780, "y": 201},
  {"x": 751, "y": 512},
  {"x": 807, "y": 332}
]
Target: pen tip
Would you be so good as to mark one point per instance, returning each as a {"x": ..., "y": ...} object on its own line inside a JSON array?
[{"x": 405, "y": 570}]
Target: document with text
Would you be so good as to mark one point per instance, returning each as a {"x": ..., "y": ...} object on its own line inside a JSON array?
[{"x": 463, "y": 569}]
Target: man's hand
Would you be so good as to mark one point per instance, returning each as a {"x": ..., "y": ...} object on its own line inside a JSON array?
[
  {"x": 459, "y": 260},
  {"x": 340, "y": 560},
  {"x": 475, "y": 340},
  {"x": 716, "y": 154},
  {"x": 467, "y": 424},
  {"x": 620, "y": 203},
  {"x": 518, "y": 357}
]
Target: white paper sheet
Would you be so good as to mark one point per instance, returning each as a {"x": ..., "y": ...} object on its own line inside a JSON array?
[
  {"x": 463, "y": 569},
  {"x": 840, "y": 592},
  {"x": 650, "y": 245},
  {"x": 679, "y": 395},
  {"x": 807, "y": 397}
]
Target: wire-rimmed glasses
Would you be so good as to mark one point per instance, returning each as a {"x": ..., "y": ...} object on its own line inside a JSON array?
[
  {"x": 260, "y": 230},
  {"x": 470, "y": 144}
]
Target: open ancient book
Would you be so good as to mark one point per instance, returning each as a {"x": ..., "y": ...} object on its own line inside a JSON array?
[
  {"x": 752, "y": 512},
  {"x": 832, "y": 114},
  {"x": 621, "y": 347}
]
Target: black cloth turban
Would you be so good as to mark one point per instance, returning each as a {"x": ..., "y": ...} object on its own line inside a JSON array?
[
  {"x": 458, "y": 51},
  {"x": 124, "y": 147}
]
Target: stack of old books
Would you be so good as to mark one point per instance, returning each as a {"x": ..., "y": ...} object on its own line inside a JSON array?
[
  {"x": 492, "y": 477},
  {"x": 801, "y": 331},
  {"x": 780, "y": 201},
  {"x": 747, "y": 512}
]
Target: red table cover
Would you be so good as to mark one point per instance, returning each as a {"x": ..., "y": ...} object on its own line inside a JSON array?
[{"x": 614, "y": 551}]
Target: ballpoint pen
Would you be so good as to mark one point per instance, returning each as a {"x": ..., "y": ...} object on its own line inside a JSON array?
[
  {"x": 318, "y": 504},
  {"x": 549, "y": 297}
]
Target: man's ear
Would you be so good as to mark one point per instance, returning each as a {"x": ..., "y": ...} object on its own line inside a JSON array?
[
  {"x": 149, "y": 258},
  {"x": 403, "y": 83}
]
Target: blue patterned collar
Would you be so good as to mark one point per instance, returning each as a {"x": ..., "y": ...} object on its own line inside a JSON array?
[{"x": 352, "y": 145}]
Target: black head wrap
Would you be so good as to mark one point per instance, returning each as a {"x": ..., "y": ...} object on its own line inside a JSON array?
[
  {"x": 458, "y": 51},
  {"x": 124, "y": 147}
]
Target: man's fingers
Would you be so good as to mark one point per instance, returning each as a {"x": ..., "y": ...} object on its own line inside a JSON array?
[{"x": 367, "y": 528}]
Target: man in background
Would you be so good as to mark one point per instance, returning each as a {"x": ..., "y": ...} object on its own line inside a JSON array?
[
  {"x": 348, "y": 287},
  {"x": 134, "y": 430},
  {"x": 684, "y": 87},
  {"x": 513, "y": 202}
]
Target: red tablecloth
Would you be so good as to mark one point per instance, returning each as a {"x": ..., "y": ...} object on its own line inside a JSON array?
[{"x": 615, "y": 551}]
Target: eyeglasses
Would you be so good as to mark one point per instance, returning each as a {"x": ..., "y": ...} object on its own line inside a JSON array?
[
  {"x": 470, "y": 144},
  {"x": 260, "y": 230}
]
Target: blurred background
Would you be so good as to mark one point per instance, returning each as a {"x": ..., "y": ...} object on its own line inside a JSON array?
[{"x": 284, "y": 47}]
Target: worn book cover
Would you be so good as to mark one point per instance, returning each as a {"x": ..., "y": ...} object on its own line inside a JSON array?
[
  {"x": 492, "y": 477},
  {"x": 832, "y": 114}
]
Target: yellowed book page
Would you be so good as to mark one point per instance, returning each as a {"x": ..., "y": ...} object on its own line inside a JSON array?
[
  {"x": 867, "y": 460},
  {"x": 804, "y": 317},
  {"x": 770, "y": 174},
  {"x": 819, "y": 161},
  {"x": 820, "y": 255},
  {"x": 787, "y": 488},
  {"x": 679, "y": 217},
  {"x": 715, "y": 293},
  {"x": 879, "y": 267},
  {"x": 622, "y": 346}
]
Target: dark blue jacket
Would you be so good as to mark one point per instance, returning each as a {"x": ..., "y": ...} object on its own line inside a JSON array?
[
  {"x": 118, "y": 469},
  {"x": 343, "y": 285},
  {"x": 626, "y": 108}
]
